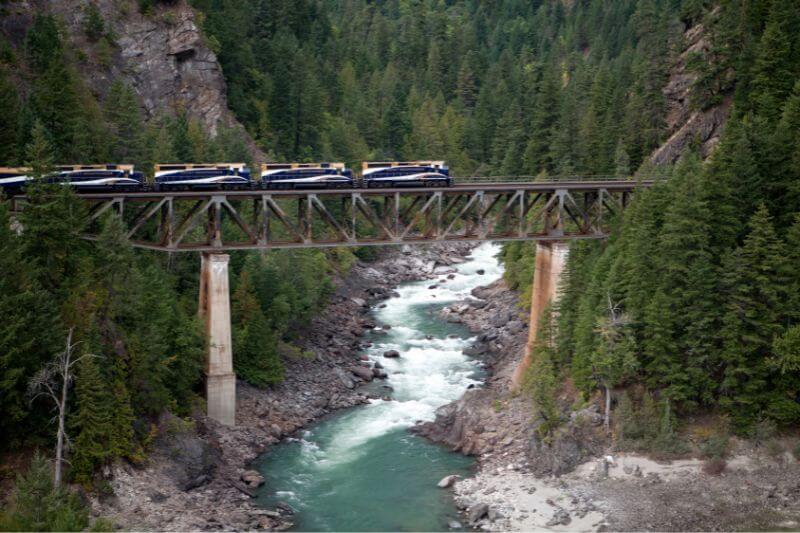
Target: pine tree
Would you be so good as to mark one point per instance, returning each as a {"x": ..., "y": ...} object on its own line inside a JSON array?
[
  {"x": 614, "y": 358},
  {"x": 93, "y": 421},
  {"x": 125, "y": 120},
  {"x": 255, "y": 345},
  {"x": 39, "y": 152},
  {"x": 9, "y": 125},
  {"x": 776, "y": 63},
  {"x": 36, "y": 505},
  {"x": 755, "y": 283},
  {"x": 541, "y": 380}
]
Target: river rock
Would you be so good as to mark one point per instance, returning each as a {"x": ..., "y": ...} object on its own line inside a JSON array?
[
  {"x": 560, "y": 518},
  {"x": 454, "y": 524},
  {"x": 346, "y": 380},
  {"x": 448, "y": 481},
  {"x": 480, "y": 272},
  {"x": 391, "y": 354},
  {"x": 476, "y": 512},
  {"x": 500, "y": 319},
  {"x": 452, "y": 276},
  {"x": 252, "y": 478},
  {"x": 377, "y": 365},
  {"x": 359, "y": 302},
  {"x": 362, "y": 372}
]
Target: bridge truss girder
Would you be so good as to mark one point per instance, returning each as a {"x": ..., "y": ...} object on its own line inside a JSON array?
[{"x": 229, "y": 220}]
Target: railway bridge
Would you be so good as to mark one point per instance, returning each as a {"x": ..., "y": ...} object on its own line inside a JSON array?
[{"x": 473, "y": 210}]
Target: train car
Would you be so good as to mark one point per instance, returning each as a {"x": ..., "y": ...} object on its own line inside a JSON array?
[
  {"x": 198, "y": 176},
  {"x": 305, "y": 176},
  {"x": 405, "y": 174},
  {"x": 109, "y": 177},
  {"x": 13, "y": 179}
]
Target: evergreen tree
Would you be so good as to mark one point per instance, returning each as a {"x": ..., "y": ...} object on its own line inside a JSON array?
[
  {"x": 36, "y": 505},
  {"x": 754, "y": 281},
  {"x": 9, "y": 126},
  {"x": 125, "y": 120},
  {"x": 93, "y": 421}
]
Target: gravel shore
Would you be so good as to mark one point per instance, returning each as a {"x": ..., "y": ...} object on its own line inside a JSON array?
[{"x": 577, "y": 481}]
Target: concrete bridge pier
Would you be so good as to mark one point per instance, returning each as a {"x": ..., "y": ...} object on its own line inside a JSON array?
[
  {"x": 551, "y": 257},
  {"x": 215, "y": 309}
]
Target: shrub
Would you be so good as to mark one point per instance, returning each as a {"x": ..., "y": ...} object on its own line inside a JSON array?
[
  {"x": 714, "y": 466},
  {"x": 36, "y": 505},
  {"x": 93, "y": 25},
  {"x": 774, "y": 448},
  {"x": 714, "y": 446},
  {"x": 667, "y": 440},
  {"x": 763, "y": 430}
]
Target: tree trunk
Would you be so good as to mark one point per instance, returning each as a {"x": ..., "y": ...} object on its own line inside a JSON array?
[
  {"x": 62, "y": 411},
  {"x": 607, "y": 417}
]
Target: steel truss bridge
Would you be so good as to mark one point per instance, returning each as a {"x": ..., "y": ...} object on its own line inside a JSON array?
[{"x": 472, "y": 210}]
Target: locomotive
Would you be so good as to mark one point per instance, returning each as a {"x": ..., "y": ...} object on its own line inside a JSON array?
[
  {"x": 405, "y": 174},
  {"x": 234, "y": 176},
  {"x": 81, "y": 177},
  {"x": 13, "y": 179},
  {"x": 305, "y": 176},
  {"x": 193, "y": 176}
]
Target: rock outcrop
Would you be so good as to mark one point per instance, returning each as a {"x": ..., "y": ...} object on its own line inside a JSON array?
[
  {"x": 163, "y": 56},
  {"x": 686, "y": 125}
]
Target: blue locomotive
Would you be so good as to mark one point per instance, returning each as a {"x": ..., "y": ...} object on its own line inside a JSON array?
[
  {"x": 85, "y": 178},
  {"x": 97, "y": 177},
  {"x": 405, "y": 174},
  {"x": 13, "y": 179},
  {"x": 201, "y": 176},
  {"x": 305, "y": 176}
]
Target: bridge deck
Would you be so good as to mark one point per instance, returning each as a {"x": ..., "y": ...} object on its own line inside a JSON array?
[{"x": 262, "y": 219}]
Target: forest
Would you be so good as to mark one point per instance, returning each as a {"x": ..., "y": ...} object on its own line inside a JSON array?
[{"x": 694, "y": 300}]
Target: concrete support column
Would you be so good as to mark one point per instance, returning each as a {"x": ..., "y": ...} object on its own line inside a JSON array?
[
  {"x": 551, "y": 257},
  {"x": 215, "y": 309}
]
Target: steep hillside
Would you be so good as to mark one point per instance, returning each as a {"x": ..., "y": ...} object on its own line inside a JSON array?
[
  {"x": 158, "y": 51},
  {"x": 687, "y": 126}
]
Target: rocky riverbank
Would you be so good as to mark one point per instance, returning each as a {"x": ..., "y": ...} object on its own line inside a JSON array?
[
  {"x": 196, "y": 476},
  {"x": 576, "y": 481}
]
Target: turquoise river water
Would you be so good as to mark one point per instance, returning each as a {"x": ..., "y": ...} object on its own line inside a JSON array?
[{"x": 360, "y": 469}]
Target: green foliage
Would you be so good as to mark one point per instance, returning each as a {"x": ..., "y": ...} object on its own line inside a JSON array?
[
  {"x": 38, "y": 506},
  {"x": 93, "y": 24},
  {"x": 715, "y": 446},
  {"x": 255, "y": 343},
  {"x": 540, "y": 380}
]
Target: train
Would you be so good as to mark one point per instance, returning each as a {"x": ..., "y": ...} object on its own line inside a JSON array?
[{"x": 234, "y": 176}]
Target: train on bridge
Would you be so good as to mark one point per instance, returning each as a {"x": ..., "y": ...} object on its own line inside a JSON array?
[{"x": 234, "y": 176}]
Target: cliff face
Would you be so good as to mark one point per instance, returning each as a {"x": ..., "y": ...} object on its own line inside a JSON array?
[
  {"x": 686, "y": 125},
  {"x": 162, "y": 55}
]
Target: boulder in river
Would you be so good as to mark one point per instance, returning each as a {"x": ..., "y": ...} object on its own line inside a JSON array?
[
  {"x": 362, "y": 372},
  {"x": 480, "y": 272},
  {"x": 391, "y": 354},
  {"x": 476, "y": 512},
  {"x": 448, "y": 481},
  {"x": 252, "y": 478}
]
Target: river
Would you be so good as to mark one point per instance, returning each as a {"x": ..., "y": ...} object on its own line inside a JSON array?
[{"x": 361, "y": 470}]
